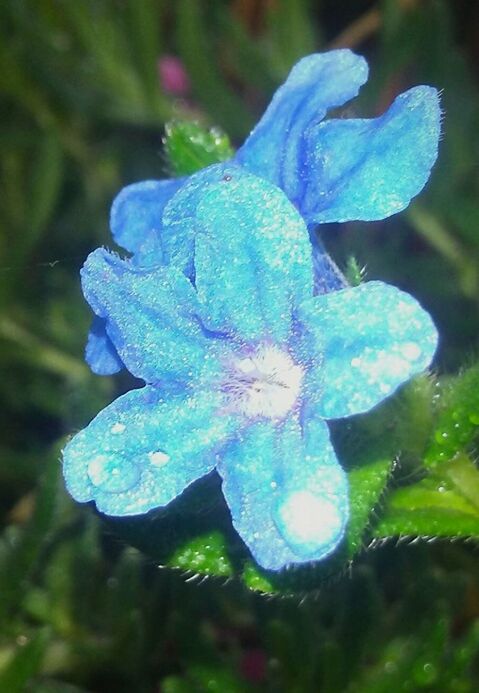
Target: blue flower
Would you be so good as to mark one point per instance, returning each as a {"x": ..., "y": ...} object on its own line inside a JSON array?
[
  {"x": 333, "y": 170},
  {"x": 242, "y": 364}
]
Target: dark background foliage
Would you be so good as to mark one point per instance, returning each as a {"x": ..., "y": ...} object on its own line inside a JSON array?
[{"x": 84, "y": 113}]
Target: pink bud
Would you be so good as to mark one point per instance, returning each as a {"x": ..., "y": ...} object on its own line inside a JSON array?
[{"x": 173, "y": 76}]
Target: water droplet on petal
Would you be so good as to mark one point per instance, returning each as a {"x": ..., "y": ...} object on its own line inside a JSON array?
[
  {"x": 113, "y": 474},
  {"x": 158, "y": 459},
  {"x": 411, "y": 351},
  {"x": 309, "y": 522}
]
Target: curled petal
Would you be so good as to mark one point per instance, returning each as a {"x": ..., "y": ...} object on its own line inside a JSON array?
[
  {"x": 318, "y": 82},
  {"x": 363, "y": 343},
  {"x": 150, "y": 316},
  {"x": 370, "y": 169},
  {"x": 144, "y": 449},
  {"x": 327, "y": 275},
  {"x": 137, "y": 211},
  {"x": 179, "y": 217},
  {"x": 252, "y": 257},
  {"x": 287, "y": 494},
  {"x": 100, "y": 353}
]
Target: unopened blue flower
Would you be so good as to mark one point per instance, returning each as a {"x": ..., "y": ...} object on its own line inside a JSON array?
[
  {"x": 242, "y": 365},
  {"x": 333, "y": 170}
]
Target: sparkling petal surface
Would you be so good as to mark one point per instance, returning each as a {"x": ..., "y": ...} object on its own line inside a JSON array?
[
  {"x": 252, "y": 258},
  {"x": 100, "y": 353},
  {"x": 135, "y": 221},
  {"x": 318, "y": 82},
  {"x": 144, "y": 449},
  {"x": 363, "y": 343},
  {"x": 179, "y": 218},
  {"x": 137, "y": 211},
  {"x": 287, "y": 494},
  {"x": 370, "y": 169},
  {"x": 150, "y": 317}
]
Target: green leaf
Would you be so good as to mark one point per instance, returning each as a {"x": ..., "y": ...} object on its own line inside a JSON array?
[
  {"x": 291, "y": 31},
  {"x": 124, "y": 73},
  {"x": 25, "y": 663},
  {"x": 464, "y": 475},
  {"x": 205, "y": 678},
  {"x": 410, "y": 663},
  {"x": 190, "y": 147},
  {"x": 175, "y": 684},
  {"x": 354, "y": 272},
  {"x": 51, "y": 686},
  {"x": 20, "y": 550},
  {"x": 457, "y": 423},
  {"x": 206, "y": 554},
  {"x": 246, "y": 56},
  {"x": 444, "y": 241},
  {"x": 46, "y": 180},
  {"x": 444, "y": 504},
  {"x": 255, "y": 580},
  {"x": 143, "y": 22},
  {"x": 366, "y": 485}
]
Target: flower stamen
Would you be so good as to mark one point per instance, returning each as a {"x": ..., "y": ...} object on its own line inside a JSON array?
[{"x": 266, "y": 383}]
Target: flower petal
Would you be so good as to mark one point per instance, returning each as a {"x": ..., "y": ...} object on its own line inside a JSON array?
[
  {"x": 179, "y": 217},
  {"x": 144, "y": 449},
  {"x": 363, "y": 343},
  {"x": 137, "y": 211},
  {"x": 100, "y": 353},
  {"x": 327, "y": 275},
  {"x": 287, "y": 494},
  {"x": 318, "y": 82},
  {"x": 370, "y": 169},
  {"x": 252, "y": 256},
  {"x": 150, "y": 316}
]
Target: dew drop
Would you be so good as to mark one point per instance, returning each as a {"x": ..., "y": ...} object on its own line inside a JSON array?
[
  {"x": 113, "y": 474},
  {"x": 158, "y": 459},
  {"x": 411, "y": 351},
  {"x": 440, "y": 437}
]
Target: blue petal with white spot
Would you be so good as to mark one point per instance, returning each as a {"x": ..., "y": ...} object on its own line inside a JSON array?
[
  {"x": 363, "y": 343},
  {"x": 216, "y": 312},
  {"x": 144, "y": 449},
  {"x": 287, "y": 494}
]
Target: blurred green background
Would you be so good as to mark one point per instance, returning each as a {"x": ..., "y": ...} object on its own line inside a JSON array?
[{"x": 87, "y": 87}]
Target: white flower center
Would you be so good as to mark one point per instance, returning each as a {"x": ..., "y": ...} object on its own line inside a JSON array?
[{"x": 265, "y": 383}]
